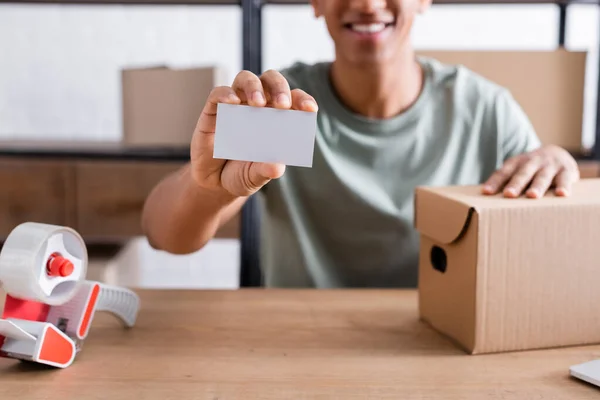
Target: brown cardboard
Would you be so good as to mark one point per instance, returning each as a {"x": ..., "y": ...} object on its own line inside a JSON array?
[
  {"x": 549, "y": 86},
  {"x": 589, "y": 169},
  {"x": 519, "y": 274},
  {"x": 161, "y": 106}
]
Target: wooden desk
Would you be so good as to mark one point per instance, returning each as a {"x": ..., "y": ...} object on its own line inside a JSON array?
[{"x": 257, "y": 344}]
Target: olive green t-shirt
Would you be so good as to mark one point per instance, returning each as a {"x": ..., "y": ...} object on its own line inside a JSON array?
[{"x": 348, "y": 220}]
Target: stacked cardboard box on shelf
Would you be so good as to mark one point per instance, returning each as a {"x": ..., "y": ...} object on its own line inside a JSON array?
[
  {"x": 161, "y": 105},
  {"x": 549, "y": 86}
]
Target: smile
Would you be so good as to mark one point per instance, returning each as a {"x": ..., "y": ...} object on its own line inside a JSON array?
[{"x": 371, "y": 28}]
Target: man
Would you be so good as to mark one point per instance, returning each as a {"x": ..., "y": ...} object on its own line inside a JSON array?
[{"x": 387, "y": 122}]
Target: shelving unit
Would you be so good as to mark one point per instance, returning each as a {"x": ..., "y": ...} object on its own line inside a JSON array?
[{"x": 252, "y": 60}]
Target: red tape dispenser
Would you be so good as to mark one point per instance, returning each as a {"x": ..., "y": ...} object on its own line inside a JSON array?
[{"x": 49, "y": 305}]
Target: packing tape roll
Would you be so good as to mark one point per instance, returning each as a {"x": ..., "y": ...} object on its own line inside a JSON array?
[{"x": 43, "y": 262}]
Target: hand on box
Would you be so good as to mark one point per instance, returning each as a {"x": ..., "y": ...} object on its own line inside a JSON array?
[
  {"x": 240, "y": 178},
  {"x": 535, "y": 173}
]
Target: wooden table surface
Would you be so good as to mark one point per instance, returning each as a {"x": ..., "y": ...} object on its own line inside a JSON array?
[{"x": 289, "y": 344}]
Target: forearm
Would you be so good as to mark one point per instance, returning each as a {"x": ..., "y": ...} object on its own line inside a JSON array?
[{"x": 180, "y": 217}]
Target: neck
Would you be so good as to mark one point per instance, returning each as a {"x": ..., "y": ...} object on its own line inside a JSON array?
[{"x": 380, "y": 91}]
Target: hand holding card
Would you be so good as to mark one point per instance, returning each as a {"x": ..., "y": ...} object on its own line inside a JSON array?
[
  {"x": 249, "y": 132},
  {"x": 263, "y": 134}
]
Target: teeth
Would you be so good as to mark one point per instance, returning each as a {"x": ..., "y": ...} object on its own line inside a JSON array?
[{"x": 368, "y": 28}]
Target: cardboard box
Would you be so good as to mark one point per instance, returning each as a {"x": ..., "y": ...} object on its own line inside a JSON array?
[
  {"x": 499, "y": 274},
  {"x": 161, "y": 105},
  {"x": 549, "y": 86},
  {"x": 589, "y": 169}
]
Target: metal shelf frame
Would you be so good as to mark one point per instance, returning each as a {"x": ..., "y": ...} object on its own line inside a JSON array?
[{"x": 252, "y": 12}]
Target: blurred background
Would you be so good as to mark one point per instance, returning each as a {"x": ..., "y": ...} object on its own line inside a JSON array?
[{"x": 97, "y": 101}]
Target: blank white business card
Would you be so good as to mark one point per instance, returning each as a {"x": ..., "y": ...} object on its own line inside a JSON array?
[
  {"x": 264, "y": 134},
  {"x": 588, "y": 372}
]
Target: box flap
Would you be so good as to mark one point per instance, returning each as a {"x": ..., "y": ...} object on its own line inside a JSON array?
[{"x": 441, "y": 218}]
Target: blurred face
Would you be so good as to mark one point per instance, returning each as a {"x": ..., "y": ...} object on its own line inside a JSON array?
[{"x": 369, "y": 31}]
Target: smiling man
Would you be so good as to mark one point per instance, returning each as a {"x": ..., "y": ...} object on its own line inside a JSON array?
[{"x": 387, "y": 122}]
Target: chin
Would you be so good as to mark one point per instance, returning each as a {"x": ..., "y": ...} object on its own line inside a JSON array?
[{"x": 370, "y": 59}]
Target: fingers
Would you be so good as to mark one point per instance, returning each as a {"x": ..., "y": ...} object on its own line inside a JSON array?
[
  {"x": 500, "y": 177},
  {"x": 542, "y": 181},
  {"x": 564, "y": 181},
  {"x": 567, "y": 175},
  {"x": 523, "y": 177},
  {"x": 203, "y": 138},
  {"x": 206, "y": 168},
  {"x": 279, "y": 95},
  {"x": 271, "y": 89},
  {"x": 277, "y": 89},
  {"x": 245, "y": 178},
  {"x": 249, "y": 88},
  {"x": 302, "y": 101},
  {"x": 269, "y": 170},
  {"x": 208, "y": 117},
  {"x": 535, "y": 173}
]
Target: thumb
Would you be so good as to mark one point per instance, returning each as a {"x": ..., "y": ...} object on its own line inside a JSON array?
[{"x": 245, "y": 178}]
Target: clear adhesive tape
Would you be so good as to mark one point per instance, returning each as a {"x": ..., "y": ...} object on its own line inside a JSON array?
[{"x": 24, "y": 263}]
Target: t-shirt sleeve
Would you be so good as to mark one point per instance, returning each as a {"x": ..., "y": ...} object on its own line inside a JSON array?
[{"x": 515, "y": 130}]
